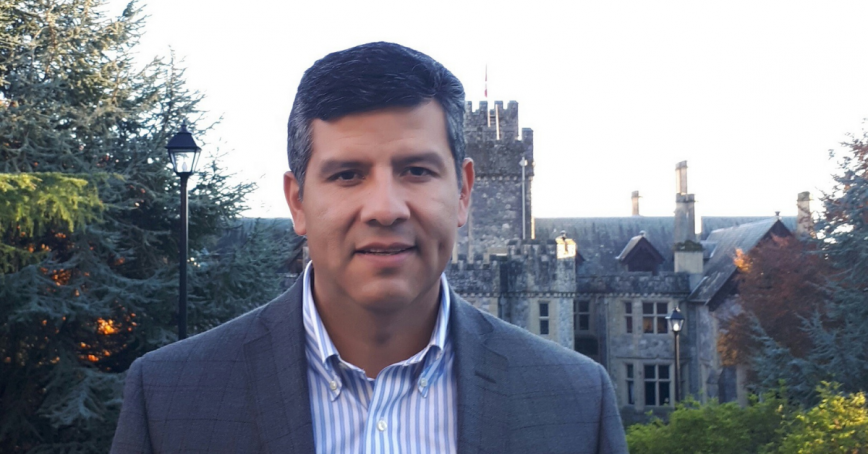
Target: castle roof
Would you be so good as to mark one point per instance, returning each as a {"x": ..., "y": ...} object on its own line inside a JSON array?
[
  {"x": 601, "y": 240},
  {"x": 637, "y": 245},
  {"x": 721, "y": 248}
]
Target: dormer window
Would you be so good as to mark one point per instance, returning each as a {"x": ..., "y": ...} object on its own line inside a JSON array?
[{"x": 640, "y": 255}]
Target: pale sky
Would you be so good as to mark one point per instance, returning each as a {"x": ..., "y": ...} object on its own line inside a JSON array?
[{"x": 752, "y": 94}]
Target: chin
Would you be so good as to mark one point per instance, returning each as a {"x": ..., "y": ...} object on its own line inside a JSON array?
[{"x": 387, "y": 296}]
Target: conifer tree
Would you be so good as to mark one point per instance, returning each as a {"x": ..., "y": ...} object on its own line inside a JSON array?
[
  {"x": 838, "y": 328},
  {"x": 842, "y": 341},
  {"x": 76, "y": 107}
]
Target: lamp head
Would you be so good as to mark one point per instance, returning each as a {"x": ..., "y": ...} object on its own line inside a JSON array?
[
  {"x": 676, "y": 321},
  {"x": 183, "y": 152}
]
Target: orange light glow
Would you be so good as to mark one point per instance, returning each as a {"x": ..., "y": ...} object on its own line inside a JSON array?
[
  {"x": 741, "y": 261},
  {"x": 60, "y": 277},
  {"x": 92, "y": 358},
  {"x": 106, "y": 327}
]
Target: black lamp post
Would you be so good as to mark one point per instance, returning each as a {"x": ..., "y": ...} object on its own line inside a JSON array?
[
  {"x": 523, "y": 163},
  {"x": 184, "y": 154},
  {"x": 676, "y": 322}
]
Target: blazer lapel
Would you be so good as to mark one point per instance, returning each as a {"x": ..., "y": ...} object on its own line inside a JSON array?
[
  {"x": 482, "y": 387},
  {"x": 277, "y": 371}
]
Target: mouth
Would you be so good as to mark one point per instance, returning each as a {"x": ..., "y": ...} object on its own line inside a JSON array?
[{"x": 385, "y": 250}]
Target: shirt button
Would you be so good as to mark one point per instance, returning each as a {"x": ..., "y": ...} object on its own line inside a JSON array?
[
  {"x": 423, "y": 382},
  {"x": 333, "y": 385},
  {"x": 381, "y": 425}
]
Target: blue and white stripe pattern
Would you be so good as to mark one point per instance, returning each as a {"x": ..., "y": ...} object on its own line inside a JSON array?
[{"x": 409, "y": 408}]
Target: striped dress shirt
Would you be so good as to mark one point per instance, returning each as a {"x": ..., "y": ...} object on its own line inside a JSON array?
[{"x": 408, "y": 408}]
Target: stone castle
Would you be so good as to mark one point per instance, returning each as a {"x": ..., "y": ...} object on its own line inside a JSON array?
[
  {"x": 600, "y": 286},
  {"x": 603, "y": 286}
]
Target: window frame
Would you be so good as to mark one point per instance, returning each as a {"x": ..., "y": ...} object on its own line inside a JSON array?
[
  {"x": 578, "y": 313},
  {"x": 657, "y": 382},
  {"x": 544, "y": 318},
  {"x": 631, "y": 383},
  {"x": 655, "y": 318},
  {"x": 629, "y": 325}
]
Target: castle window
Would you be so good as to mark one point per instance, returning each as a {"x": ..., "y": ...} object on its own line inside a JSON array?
[
  {"x": 628, "y": 317},
  {"x": 582, "y": 315},
  {"x": 543, "y": 318},
  {"x": 631, "y": 396},
  {"x": 654, "y": 318},
  {"x": 657, "y": 384},
  {"x": 588, "y": 346}
]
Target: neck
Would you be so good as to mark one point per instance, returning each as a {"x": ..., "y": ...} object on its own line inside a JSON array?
[{"x": 373, "y": 340}]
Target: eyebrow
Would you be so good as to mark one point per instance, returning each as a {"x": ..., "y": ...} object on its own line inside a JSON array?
[
  {"x": 331, "y": 166},
  {"x": 429, "y": 157}
]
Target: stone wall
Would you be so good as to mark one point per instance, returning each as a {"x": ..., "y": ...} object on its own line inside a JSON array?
[
  {"x": 666, "y": 283},
  {"x": 513, "y": 286},
  {"x": 496, "y": 207}
]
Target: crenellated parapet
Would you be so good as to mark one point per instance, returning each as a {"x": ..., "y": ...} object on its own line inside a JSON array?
[
  {"x": 534, "y": 266},
  {"x": 475, "y": 277},
  {"x": 493, "y": 140}
]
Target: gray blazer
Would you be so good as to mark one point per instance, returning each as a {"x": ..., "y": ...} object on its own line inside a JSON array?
[{"x": 242, "y": 388}]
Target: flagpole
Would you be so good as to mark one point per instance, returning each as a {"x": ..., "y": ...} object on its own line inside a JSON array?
[{"x": 487, "y": 115}]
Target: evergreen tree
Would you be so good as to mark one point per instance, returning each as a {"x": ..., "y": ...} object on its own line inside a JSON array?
[
  {"x": 838, "y": 329},
  {"x": 32, "y": 204},
  {"x": 73, "y": 105},
  {"x": 842, "y": 341}
]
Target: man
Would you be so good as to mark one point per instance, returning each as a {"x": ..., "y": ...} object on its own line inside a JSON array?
[{"x": 370, "y": 351}]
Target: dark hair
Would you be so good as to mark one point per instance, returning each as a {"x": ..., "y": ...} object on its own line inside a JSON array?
[{"x": 370, "y": 77}]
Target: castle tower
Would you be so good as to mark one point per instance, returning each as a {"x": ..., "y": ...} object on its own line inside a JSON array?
[{"x": 501, "y": 203}]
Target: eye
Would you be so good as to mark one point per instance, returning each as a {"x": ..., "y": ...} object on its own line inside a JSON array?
[
  {"x": 345, "y": 176},
  {"x": 419, "y": 172}
]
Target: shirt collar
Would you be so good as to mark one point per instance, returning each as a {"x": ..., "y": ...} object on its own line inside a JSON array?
[{"x": 318, "y": 339}]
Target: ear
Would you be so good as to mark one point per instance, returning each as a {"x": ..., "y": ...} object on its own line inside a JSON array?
[
  {"x": 292, "y": 191},
  {"x": 468, "y": 174}
]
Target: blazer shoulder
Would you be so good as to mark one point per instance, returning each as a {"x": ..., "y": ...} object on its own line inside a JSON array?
[{"x": 522, "y": 348}]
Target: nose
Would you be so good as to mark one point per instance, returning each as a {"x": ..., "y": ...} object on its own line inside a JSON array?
[{"x": 385, "y": 201}]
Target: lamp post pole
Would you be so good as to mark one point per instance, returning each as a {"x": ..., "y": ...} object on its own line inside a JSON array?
[
  {"x": 676, "y": 322},
  {"x": 182, "y": 301},
  {"x": 677, "y": 370},
  {"x": 184, "y": 154},
  {"x": 523, "y": 164}
]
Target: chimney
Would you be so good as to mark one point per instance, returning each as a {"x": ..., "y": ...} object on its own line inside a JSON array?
[
  {"x": 688, "y": 251},
  {"x": 804, "y": 220},
  {"x": 685, "y": 215},
  {"x": 681, "y": 178},
  {"x": 635, "y": 203}
]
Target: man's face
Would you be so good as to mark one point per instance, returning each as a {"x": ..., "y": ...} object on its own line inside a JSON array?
[{"x": 381, "y": 206}]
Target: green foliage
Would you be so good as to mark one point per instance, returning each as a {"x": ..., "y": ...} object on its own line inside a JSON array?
[
  {"x": 228, "y": 281},
  {"x": 90, "y": 190},
  {"x": 838, "y": 424},
  {"x": 771, "y": 425},
  {"x": 34, "y": 203},
  {"x": 712, "y": 428}
]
